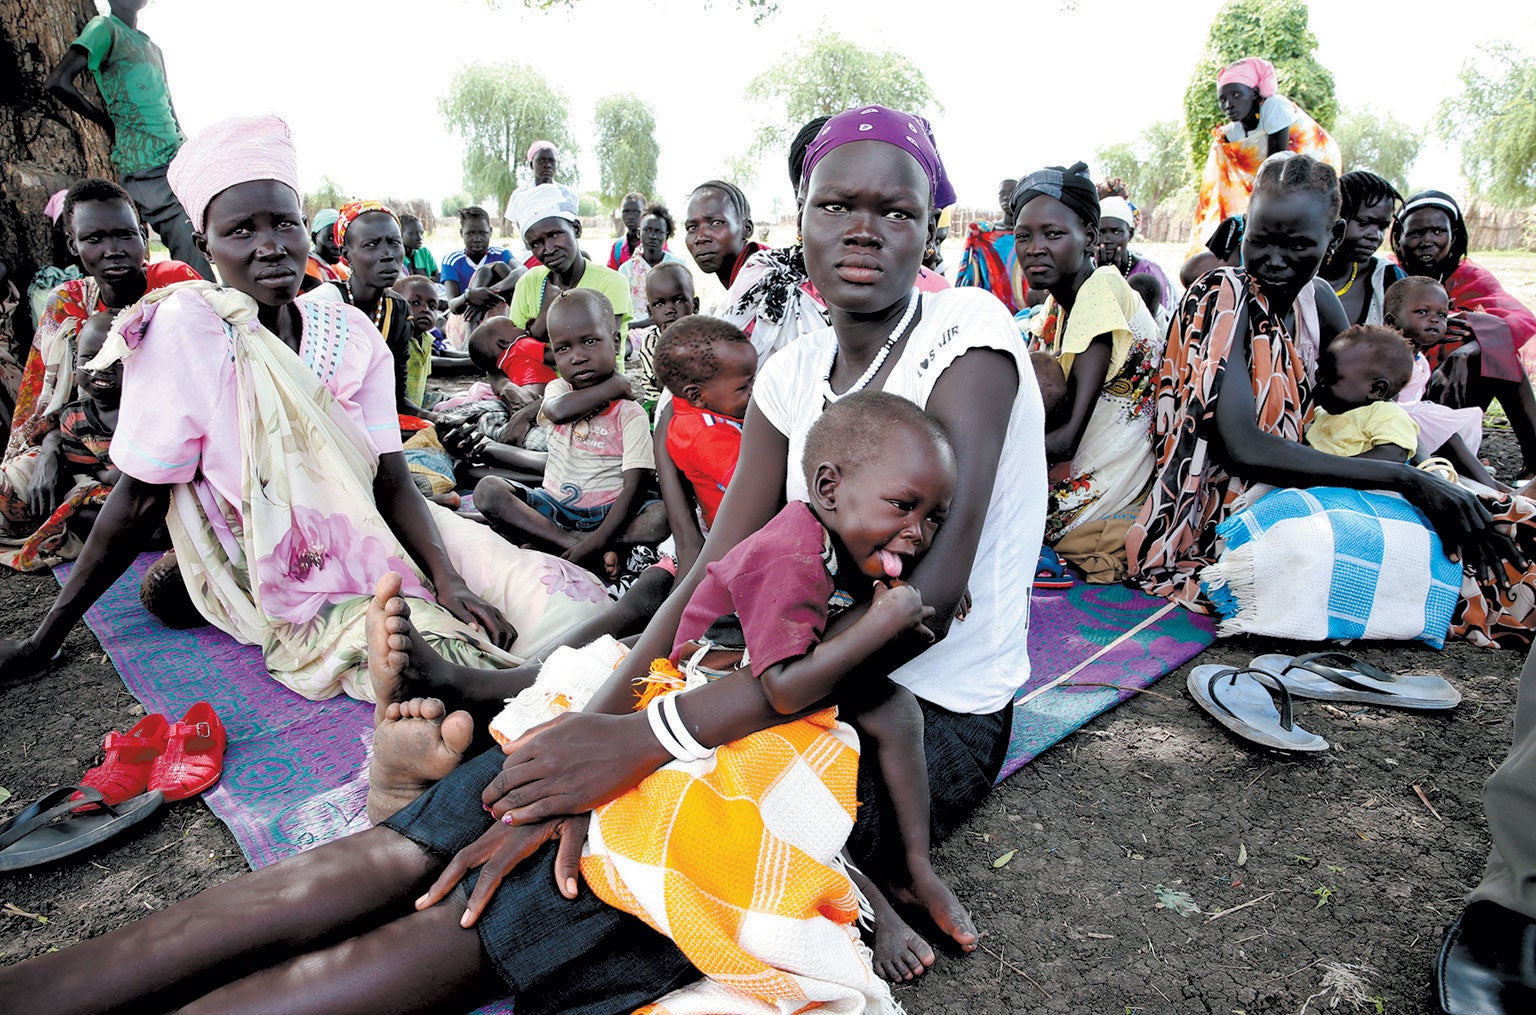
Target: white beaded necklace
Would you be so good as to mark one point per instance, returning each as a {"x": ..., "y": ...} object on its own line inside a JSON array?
[{"x": 874, "y": 367}]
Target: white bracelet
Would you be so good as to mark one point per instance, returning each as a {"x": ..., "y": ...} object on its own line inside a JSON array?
[
  {"x": 662, "y": 734},
  {"x": 679, "y": 729}
]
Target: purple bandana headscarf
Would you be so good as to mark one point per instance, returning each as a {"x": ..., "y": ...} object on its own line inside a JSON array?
[{"x": 907, "y": 131}]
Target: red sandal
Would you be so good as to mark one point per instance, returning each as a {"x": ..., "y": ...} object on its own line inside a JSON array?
[
  {"x": 124, "y": 773},
  {"x": 194, "y": 755}
]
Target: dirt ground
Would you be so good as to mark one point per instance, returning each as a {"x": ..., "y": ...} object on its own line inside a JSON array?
[{"x": 1150, "y": 863}]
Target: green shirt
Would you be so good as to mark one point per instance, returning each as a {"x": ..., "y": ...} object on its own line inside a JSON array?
[
  {"x": 422, "y": 262},
  {"x": 130, "y": 74},
  {"x": 528, "y": 297}
]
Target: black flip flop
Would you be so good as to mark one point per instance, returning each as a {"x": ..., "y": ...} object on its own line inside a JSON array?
[
  {"x": 1243, "y": 700},
  {"x": 52, "y": 830},
  {"x": 1339, "y": 676}
]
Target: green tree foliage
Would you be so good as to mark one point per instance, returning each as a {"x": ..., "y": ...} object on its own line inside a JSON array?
[
  {"x": 827, "y": 74},
  {"x": 330, "y": 195},
  {"x": 1494, "y": 118},
  {"x": 626, "y": 147},
  {"x": 1379, "y": 142},
  {"x": 1151, "y": 167},
  {"x": 1275, "y": 30},
  {"x": 499, "y": 110}
]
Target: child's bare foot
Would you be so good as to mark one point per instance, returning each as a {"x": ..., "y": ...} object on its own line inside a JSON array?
[
  {"x": 450, "y": 500},
  {"x": 611, "y": 564},
  {"x": 901, "y": 953},
  {"x": 399, "y": 662},
  {"x": 415, "y": 743},
  {"x": 929, "y": 892}
]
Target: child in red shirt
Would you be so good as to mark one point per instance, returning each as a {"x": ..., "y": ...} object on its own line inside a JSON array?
[{"x": 708, "y": 365}]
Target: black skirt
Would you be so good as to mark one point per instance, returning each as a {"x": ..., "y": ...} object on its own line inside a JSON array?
[
  {"x": 964, "y": 754},
  {"x": 556, "y": 955}
]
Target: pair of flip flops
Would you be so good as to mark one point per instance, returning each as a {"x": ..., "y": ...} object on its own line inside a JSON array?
[
  {"x": 1255, "y": 701},
  {"x": 154, "y": 763}
]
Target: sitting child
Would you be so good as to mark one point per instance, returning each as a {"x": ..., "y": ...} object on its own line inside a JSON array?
[
  {"x": 1358, "y": 375},
  {"x": 1419, "y": 308},
  {"x": 420, "y": 295},
  {"x": 1473, "y": 358},
  {"x": 708, "y": 365},
  {"x": 71, "y": 475},
  {"x": 600, "y": 458},
  {"x": 881, "y": 474},
  {"x": 669, "y": 298}
]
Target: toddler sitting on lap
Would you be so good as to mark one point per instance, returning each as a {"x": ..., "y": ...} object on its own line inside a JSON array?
[
  {"x": 1358, "y": 375},
  {"x": 600, "y": 459},
  {"x": 708, "y": 365},
  {"x": 880, "y": 473}
]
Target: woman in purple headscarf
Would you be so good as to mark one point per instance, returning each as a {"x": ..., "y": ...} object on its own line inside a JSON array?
[{"x": 872, "y": 176}]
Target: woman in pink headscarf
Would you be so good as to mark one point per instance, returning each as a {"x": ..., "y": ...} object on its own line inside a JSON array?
[
  {"x": 1260, "y": 123},
  {"x": 262, "y": 430}
]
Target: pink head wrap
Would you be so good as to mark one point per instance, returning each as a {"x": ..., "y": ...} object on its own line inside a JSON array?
[
  {"x": 55, "y": 206},
  {"x": 539, "y": 146},
  {"x": 237, "y": 150},
  {"x": 1255, "y": 72}
]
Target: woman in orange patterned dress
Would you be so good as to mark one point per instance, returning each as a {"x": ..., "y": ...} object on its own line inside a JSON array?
[
  {"x": 1226, "y": 436},
  {"x": 1260, "y": 123}
]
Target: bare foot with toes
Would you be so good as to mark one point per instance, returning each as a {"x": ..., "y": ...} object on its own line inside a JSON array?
[
  {"x": 416, "y": 743},
  {"x": 928, "y": 892}
]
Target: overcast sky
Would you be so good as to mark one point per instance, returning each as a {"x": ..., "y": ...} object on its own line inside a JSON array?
[{"x": 1020, "y": 84}]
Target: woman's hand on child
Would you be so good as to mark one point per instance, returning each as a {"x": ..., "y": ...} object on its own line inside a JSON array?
[
  {"x": 900, "y": 606},
  {"x": 1458, "y": 330},
  {"x": 575, "y": 762},
  {"x": 457, "y": 599},
  {"x": 497, "y": 852}
]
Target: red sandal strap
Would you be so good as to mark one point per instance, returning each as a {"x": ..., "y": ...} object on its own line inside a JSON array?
[{"x": 115, "y": 740}]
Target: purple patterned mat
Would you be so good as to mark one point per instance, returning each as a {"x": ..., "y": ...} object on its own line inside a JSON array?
[
  {"x": 1090, "y": 648},
  {"x": 295, "y": 771}
]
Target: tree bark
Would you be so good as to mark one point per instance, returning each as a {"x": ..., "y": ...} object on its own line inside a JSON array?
[{"x": 43, "y": 146}]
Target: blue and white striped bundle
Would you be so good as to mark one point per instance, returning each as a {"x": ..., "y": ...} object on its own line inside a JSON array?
[{"x": 1331, "y": 563}]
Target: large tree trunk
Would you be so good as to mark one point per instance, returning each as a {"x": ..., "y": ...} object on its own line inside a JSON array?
[{"x": 43, "y": 146}]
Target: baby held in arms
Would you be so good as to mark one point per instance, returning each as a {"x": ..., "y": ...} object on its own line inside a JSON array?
[{"x": 1358, "y": 376}]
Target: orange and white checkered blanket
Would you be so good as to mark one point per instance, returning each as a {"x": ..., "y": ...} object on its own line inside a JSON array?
[{"x": 737, "y": 859}]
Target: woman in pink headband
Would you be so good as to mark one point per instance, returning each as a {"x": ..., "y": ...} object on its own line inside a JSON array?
[{"x": 1260, "y": 123}]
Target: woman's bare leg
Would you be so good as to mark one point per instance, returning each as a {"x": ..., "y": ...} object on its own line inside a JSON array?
[
  {"x": 421, "y": 962},
  {"x": 254, "y": 921}
]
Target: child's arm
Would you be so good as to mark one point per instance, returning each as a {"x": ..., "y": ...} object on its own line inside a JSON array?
[
  {"x": 570, "y": 406},
  {"x": 1385, "y": 453},
  {"x": 61, "y": 85},
  {"x": 796, "y": 685},
  {"x": 678, "y": 498},
  {"x": 43, "y": 495},
  {"x": 618, "y": 516}
]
